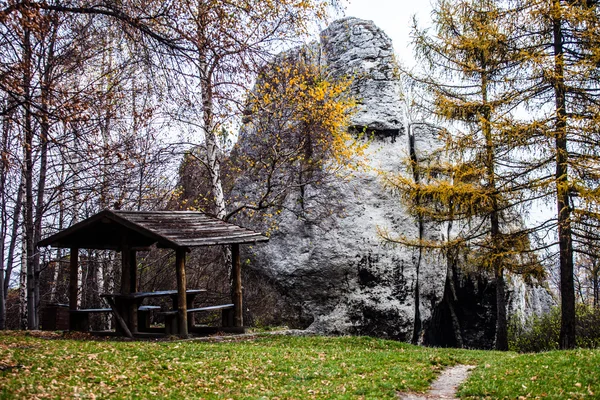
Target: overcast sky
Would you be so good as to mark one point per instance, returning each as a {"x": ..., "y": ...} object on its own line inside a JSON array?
[{"x": 395, "y": 18}]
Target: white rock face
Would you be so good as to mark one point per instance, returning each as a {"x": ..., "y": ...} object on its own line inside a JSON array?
[
  {"x": 338, "y": 270},
  {"x": 526, "y": 300},
  {"x": 344, "y": 276},
  {"x": 358, "y": 48}
]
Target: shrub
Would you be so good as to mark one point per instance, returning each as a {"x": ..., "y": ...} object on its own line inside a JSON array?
[
  {"x": 537, "y": 333},
  {"x": 541, "y": 333},
  {"x": 588, "y": 327}
]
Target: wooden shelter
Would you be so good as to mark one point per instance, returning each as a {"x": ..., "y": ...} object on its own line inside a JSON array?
[{"x": 131, "y": 231}]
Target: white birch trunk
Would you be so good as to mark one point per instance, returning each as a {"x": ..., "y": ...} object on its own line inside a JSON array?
[
  {"x": 61, "y": 223},
  {"x": 212, "y": 145},
  {"x": 100, "y": 285},
  {"x": 55, "y": 275},
  {"x": 23, "y": 288},
  {"x": 214, "y": 165},
  {"x": 212, "y": 156},
  {"x": 110, "y": 282},
  {"x": 79, "y": 284}
]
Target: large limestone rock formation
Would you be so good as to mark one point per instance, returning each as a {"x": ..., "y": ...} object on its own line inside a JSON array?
[
  {"x": 337, "y": 271},
  {"x": 357, "y": 48}
]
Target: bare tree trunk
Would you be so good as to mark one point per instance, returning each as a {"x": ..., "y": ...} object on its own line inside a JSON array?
[
  {"x": 100, "y": 283},
  {"x": 55, "y": 275},
  {"x": 213, "y": 157},
  {"x": 212, "y": 147},
  {"x": 43, "y": 168},
  {"x": 3, "y": 215},
  {"x": 75, "y": 212},
  {"x": 596, "y": 292},
  {"x": 501, "y": 319},
  {"x": 61, "y": 224},
  {"x": 418, "y": 324},
  {"x": 14, "y": 236},
  {"x": 2, "y": 275},
  {"x": 110, "y": 281},
  {"x": 80, "y": 284},
  {"x": 23, "y": 307},
  {"x": 39, "y": 212},
  {"x": 450, "y": 292},
  {"x": 29, "y": 171},
  {"x": 565, "y": 243},
  {"x": 497, "y": 259},
  {"x": 450, "y": 289},
  {"x": 596, "y": 282},
  {"x": 579, "y": 288}
]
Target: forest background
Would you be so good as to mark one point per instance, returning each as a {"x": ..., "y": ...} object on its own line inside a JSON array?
[{"x": 92, "y": 93}]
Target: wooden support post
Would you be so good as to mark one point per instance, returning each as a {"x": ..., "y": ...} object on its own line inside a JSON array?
[
  {"x": 125, "y": 270},
  {"x": 181, "y": 288},
  {"x": 133, "y": 307},
  {"x": 119, "y": 318},
  {"x": 129, "y": 308},
  {"x": 236, "y": 272},
  {"x": 73, "y": 270},
  {"x": 73, "y": 287},
  {"x": 133, "y": 281}
]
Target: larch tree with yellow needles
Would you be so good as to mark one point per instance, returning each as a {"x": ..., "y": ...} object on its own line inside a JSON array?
[
  {"x": 470, "y": 77},
  {"x": 518, "y": 80},
  {"x": 560, "y": 41}
]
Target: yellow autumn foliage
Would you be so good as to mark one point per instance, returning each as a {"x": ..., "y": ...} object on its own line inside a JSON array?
[
  {"x": 295, "y": 137},
  {"x": 296, "y": 105}
]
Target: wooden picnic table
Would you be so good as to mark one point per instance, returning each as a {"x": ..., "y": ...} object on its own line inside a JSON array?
[{"x": 125, "y": 306}]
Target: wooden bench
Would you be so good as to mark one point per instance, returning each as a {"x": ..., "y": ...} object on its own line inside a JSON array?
[
  {"x": 127, "y": 306},
  {"x": 79, "y": 319},
  {"x": 144, "y": 317},
  {"x": 161, "y": 293},
  {"x": 148, "y": 308},
  {"x": 171, "y": 316}
]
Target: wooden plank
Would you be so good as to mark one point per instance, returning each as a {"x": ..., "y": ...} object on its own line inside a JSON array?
[
  {"x": 181, "y": 292},
  {"x": 143, "y": 295},
  {"x": 236, "y": 272},
  {"x": 192, "y": 310},
  {"x": 170, "y": 312},
  {"x": 118, "y": 317},
  {"x": 211, "y": 308},
  {"x": 183, "y": 230},
  {"x": 73, "y": 269},
  {"x": 186, "y": 221},
  {"x": 223, "y": 240},
  {"x": 148, "y": 308}
]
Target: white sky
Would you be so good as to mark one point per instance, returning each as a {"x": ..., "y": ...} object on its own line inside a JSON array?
[{"x": 394, "y": 17}]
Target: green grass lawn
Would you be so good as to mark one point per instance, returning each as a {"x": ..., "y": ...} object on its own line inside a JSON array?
[{"x": 277, "y": 367}]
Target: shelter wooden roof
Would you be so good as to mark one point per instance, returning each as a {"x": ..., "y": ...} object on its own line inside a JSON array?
[{"x": 111, "y": 229}]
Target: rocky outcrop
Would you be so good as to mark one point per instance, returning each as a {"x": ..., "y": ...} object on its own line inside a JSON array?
[
  {"x": 357, "y": 48},
  {"x": 338, "y": 271}
]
